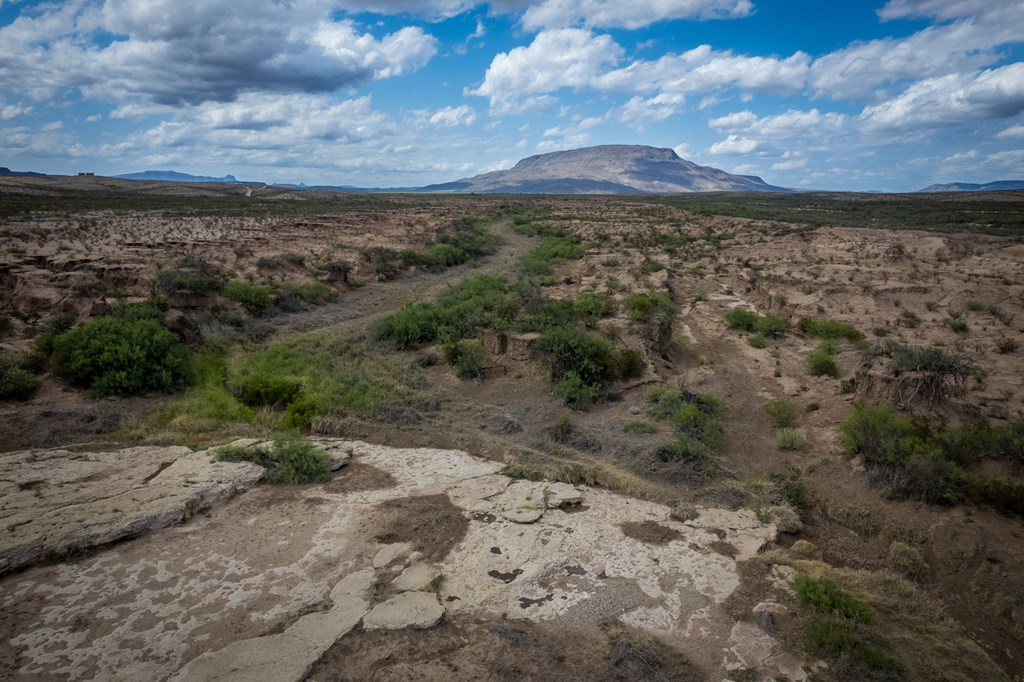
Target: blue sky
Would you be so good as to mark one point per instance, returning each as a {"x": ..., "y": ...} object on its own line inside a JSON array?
[{"x": 888, "y": 95}]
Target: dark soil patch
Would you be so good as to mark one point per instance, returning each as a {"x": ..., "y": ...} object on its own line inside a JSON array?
[
  {"x": 358, "y": 476},
  {"x": 432, "y": 524},
  {"x": 463, "y": 649},
  {"x": 651, "y": 532}
]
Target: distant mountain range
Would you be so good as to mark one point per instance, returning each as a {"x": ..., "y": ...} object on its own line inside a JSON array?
[
  {"x": 971, "y": 187},
  {"x": 607, "y": 169},
  {"x": 175, "y": 176},
  {"x": 27, "y": 174}
]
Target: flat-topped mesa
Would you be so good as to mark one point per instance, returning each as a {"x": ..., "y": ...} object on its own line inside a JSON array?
[{"x": 608, "y": 169}]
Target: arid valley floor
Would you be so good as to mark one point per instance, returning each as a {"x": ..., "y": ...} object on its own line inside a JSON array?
[{"x": 722, "y": 436}]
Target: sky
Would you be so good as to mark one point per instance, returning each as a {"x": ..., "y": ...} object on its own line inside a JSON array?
[{"x": 854, "y": 95}]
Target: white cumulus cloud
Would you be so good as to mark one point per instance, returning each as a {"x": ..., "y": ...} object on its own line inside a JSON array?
[
  {"x": 631, "y": 15},
  {"x": 952, "y": 99}
]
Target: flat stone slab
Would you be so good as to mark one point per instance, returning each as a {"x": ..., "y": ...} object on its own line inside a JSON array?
[
  {"x": 417, "y": 578},
  {"x": 56, "y": 502},
  {"x": 300, "y": 563},
  {"x": 407, "y": 610}
]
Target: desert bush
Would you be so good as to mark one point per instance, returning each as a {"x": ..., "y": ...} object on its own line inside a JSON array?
[
  {"x": 1006, "y": 345},
  {"x": 553, "y": 250},
  {"x": 630, "y": 363},
  {"x": 268, "y": 390},
  {"x": 255, "y": 298},
  {"x": 791, "y": 439},
  {"x": 289, "y": 460},
  {"x": 782, "y": 413},
  {"x": 748, "y": 320},
  {"x": 757, "y": 341},
  {"x": 581, "y": 362},
  {"x": 576, "y": 393},
  {"x": 122, "y": 354},
  {"x": 16, "y": 381},
  {"x": 741, "y": 318},
  {"x": 192, "y": 276},
  {"x": 974, "y": 305},
  {"x": 829, "y": 329},
  {"x": 825, "y": 596},
  {"x": 466, "y": 357},
  {"x": 909, "y": 320},
  {"x": 927, "y": 374},
  {"x": 411, "y": 327},
  {"x": 697, "y": 419},
  {"x": 957, "y": 325},
  {"x": 821, "y": 363},
  {"x": 648, "y": 306},
  {"x": 590, "y": 308},
  {"x": 639, "y": 426}
]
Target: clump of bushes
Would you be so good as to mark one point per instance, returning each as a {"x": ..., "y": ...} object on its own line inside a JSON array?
[
  {"x": 17, "y": 382},
  {"x": 552, "y": 250},
  {"x": 697, "y": 418},
  {"x": 838, "y": 630},
  {"x": 829, "y": 329},
  {"x": 822, "y": 363},
  {"x": 466, "y": 357},
  {"x": 255, "y": 298},
  {"x": 128, "y": 352},
  {"x": 909, "y": 460},
  {"x": 747, "y": 320},
  {"x": 922, "y": 373},
  {"x": 782, "y": 413},
  {"x": 648, "y": 306},
  {"x": 191, "y": 276},
  {"x": 791, "y": 439},
  {"x": 289, "y": 460}
]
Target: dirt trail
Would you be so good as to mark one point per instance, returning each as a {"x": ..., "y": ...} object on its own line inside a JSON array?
[{"x": 376, "y": 298}]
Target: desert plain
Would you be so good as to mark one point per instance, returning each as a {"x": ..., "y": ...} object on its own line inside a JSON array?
[{"x": 709, "y": 436}]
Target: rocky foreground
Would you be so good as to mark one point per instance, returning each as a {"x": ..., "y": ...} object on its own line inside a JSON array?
[{"x": 261, "y": 587}]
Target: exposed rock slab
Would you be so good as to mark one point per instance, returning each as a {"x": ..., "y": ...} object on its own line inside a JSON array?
[
  {"x": 417, "y": 578},
  {"x": 406, "y": 610},
  {"x": 54, "y": 502},
  {"x": 286, "y": 656},
  {"x": 204, "y": 596}
]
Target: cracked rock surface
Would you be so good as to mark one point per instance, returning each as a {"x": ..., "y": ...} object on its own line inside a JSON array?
[{"x": 260, "y": 588}]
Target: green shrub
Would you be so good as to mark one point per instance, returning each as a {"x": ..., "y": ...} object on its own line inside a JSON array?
[
  {"x": 975, "y": 306},
  {"x": 551, "y": 251},
  {"x": 825, "y": 596},
  {"x": 572, "y": 350},
  {"x": 268, "y": 390},
  {"x": 255, "y": 298},
  {"x": 466, "y": 357},
  {"x": 16, "y": 381},
  {"x": 639, "y": 426},
  {"x": 290, "y": 460},
  {"x": 575, "y": 393},
  {"x": 698, "y": 421},
  {"x": 791, "y": 439},
  {"x": 957, "y": 325},
  {"x": 411, "y": 327},
  {"x": 771, "y": 325},
  {"x": 782, "y": 413},
  {"x": 648, "y": 306},
  {"x": 203, "y": 280},
  {"x": 829, "y": 329},
  {"x": 741, "y": 318},
  {"x": 120, "y": 355},
  {"x": 757, "y": 341},
  {"x": 747, "y": 320},
  {"x": 630, "y": 363},
  {"x": 590, "y": 308},
  {"x": 821, "y": 363}
]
